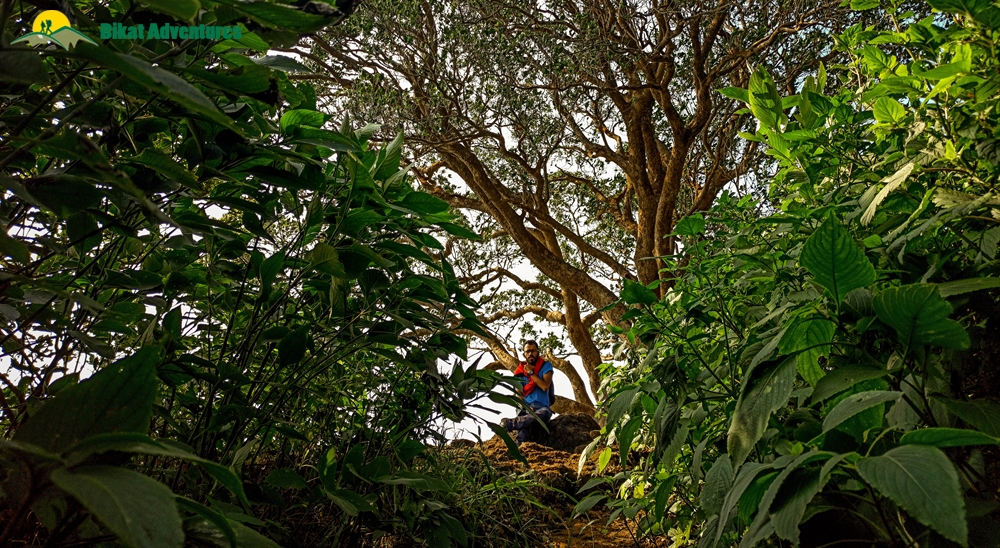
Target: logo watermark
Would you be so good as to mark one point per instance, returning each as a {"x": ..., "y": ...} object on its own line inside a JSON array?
[{"x": 53, "y": 27}]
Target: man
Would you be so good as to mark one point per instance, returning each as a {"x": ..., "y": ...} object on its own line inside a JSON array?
[{"x": 536, "y": 377}]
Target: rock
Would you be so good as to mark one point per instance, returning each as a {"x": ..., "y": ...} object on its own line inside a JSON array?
[{"x": 566, "y": 432}]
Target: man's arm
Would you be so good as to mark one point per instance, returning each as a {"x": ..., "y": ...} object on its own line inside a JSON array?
[{"x": 543, "y": 382}]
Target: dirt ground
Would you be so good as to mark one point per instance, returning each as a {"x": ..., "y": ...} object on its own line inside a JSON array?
[{"x": 557, "y": 470}]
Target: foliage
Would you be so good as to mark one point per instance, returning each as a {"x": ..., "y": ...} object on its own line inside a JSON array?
[
  {"x": 826, "y": 367},
  {"x": 573, "y": 135},
  {"x": 217, "y": 313}
]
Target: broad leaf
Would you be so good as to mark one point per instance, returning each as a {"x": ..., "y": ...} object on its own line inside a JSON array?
[
  {"x": 922, "y": 481},
  {"x": 636, "y": 293},
  {"x": 919, "y": 315},
  {"x": 156, "y": 79},
  {"x": 140, "y": 510},
  {"x": 947, "y": 437},
  {"x": 856, "y": 403},
  {"x": 766, "y": 392},
  {"x": 984, "y": 415},
  {"x": 718, "y": 480},
  {"x": 181, "y": 9},
  {"x": 809, "y": 341},
  {"x": 837, "y": 262},
  {"x": 842, "y": 378},
  {"x": 118, "y": 398}
]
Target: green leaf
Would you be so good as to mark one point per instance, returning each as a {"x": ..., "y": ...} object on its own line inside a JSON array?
[
  {"x": 620, "y": 404},
  {"x": 804, "y": 485},
  {"x": 155, "y": 79},
  {"x": 968, "y": 285},
  {"x": 298, "y": 118},
  {"x": 240, "y": 81},
  {"x": 166, "y": 166},
  {"x": 739, "y": 94},
  {"x": 625, "y": 437},
  {"x": 765, "y": 103},
  {"x": 891, "y": 183},
  {"x": 248, "y": 538},
  {"x": 280, "y": 16},
  {"x": 604, "y": 459},
  {"x": 919, "y": 315},
  {"x": 842, "y": 378},
  {"x": 286, "y": 478},
  {"x": 922, "y": 481},
  {"x": 280, "y": 62},
  {"x": 837, "y": 262},
  {"x": 292, "y": 347},
  {"x": 809, "y": 340},
  {"x": 140, "y": 510},
  {"x": 132, "y": 442},
  {"x": 460, "y": 231},
  {"x": 118, "y": 398},
  {"x": 861, "y": 5},
  {"x": 718, "y": 480},
  {"x": 213, "y": 517},
  {"x": 181, "y": 9},
  {"x": 947, "y": 437},
  {"x": 324, "y": 258},
  {"x": 971, "y": 7},
  {"x": 983, "y": 415},
  {"x": 856, "y": 403},
  {"x": 888, "y": 110},
  {"x": 636, "y": 293},
  {"x": 22, "y": 67},
  {"x": 586, "y": 504},
  {"x": 269, "y": 270},
  {"x": 692, "y": 225},
  {"x": 762, "y": 526},
  {"x": 766, "y": 391},
  {"x": 424, "y": 203},
  {"x": 65, "y": 195}
]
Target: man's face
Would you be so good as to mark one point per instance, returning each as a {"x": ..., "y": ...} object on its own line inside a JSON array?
[{"x": 531, "y": 353}]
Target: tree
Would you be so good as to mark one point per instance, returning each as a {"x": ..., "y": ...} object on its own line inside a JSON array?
[{"x": 575, "y": 133}]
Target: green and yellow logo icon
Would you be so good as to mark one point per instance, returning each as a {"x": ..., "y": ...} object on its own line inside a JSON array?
[{"x": 53, "y": 27}]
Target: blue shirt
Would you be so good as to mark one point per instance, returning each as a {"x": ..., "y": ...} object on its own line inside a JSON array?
[{"x": 538, "y": 396}]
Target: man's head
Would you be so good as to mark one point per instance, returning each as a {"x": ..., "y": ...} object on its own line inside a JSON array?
[{"x": 531, "y": 351}]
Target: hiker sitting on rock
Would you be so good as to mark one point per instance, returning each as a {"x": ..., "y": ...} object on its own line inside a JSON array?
[{"x": 535, "y": 375}]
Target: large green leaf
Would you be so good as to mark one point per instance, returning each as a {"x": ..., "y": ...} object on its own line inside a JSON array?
[
  {"x": 984, "y": 415},
  {"x": 837, "y": 262},
  {"x": 621, "y": 403},
  {"x": 138, "y": 443},
  {"x": 718, "y": 480},
  {"x": 765, "y": 102},
  {"x": 842, "y": 378},
  {"x": 636, "y": 293},
  {"x": 140, "y": 510},
  {"x": 803, "y": 485},
  {"x": 424, "y": 203},
  {"x": 922, "y": 481},
  {"x": 280, "y": 16},
  {"x": 292, "y": 347},
  {"x": 919, "y": 315},
  {"x": 765, "y": 392},
  {"x": 118, "y": 398},
  {"x": 856, "y": 403},
  {"x": 809, "y": 341},
  {"x": 156, "y": 79},
  {"x": 181, "y": 9},
  {"x": 166, "y": 166},
  {"x": 22, "y": 67},
  {"x": 947, "y": 437}
]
